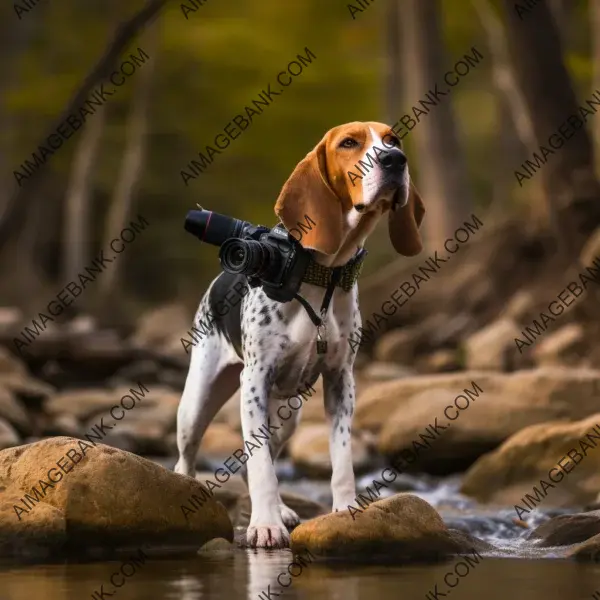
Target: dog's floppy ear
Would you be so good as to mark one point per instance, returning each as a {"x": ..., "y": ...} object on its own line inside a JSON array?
[
  {"x": 404, "y": 224},
  {"x": 308, "y": 195}
]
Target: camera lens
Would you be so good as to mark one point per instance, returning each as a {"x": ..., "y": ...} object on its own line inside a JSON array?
[{"x": 247, "y": 257}]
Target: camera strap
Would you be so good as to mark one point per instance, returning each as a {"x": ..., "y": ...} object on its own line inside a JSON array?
[{"x": 320, "y": 320}]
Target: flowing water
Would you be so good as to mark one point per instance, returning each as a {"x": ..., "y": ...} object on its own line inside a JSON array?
[{"x": 516, "y": 571}]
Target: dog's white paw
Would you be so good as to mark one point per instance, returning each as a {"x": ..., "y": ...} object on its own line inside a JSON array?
[
  {"x": 268, "y": 536},
  {"x": 289, "y": 517}
]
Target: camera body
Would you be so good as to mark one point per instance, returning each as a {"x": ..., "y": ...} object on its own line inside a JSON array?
[{"x": 268, "y": 257}]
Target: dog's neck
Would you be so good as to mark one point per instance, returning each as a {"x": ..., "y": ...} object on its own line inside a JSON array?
[{"x": 357, "y": 230}]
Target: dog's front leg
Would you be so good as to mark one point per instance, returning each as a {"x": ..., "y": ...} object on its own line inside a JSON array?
[
  {"x": 266, "y": 529},
  {"x": 339, "y": 406}
]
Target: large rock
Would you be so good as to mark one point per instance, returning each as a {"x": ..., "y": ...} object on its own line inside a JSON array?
[
  {"x": 507, "y": 404},
  {"x": 8, "y": 436},
  {"x": 309, "y": 450},
  {"x": 146, "y": 426},
  {"x": 492, "y": 347},
  {"x": 587, "y": 551},
  {"x": 385, "y": 371},
  {"x": 82, "y": 403},
  {"x": 155, "y": 327},
  {"x": 402, "y": 528},
  {"x": 445, "y": 446},
  {"x": 376, "y": 403},
  {"x": 13, "y": 411},
  {"x": 566, "y": 530},
  {"x": 507, "y": 474},
  {"x": 220, "y": 440},
  {"x": 564, "y": 346},
  {"x": 11, "y": 319},
  {"x": 26, "y": 387},
  {"x": 110, "y": 499},
  {"x": 398, "y": 345},
  {"x": 10, "y": 364},
  {"x": 591, "y": 250}
]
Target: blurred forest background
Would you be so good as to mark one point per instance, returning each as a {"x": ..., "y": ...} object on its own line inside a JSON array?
[{"x": 205, "y": 68}]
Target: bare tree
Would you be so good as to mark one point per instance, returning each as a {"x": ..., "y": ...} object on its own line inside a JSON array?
[
  {"x": 14, "y": 41},
  {"x": 131, "y": 166},
  {"x": 595, "y": 35},
  {"x": 445, "y": 185},
  {"x": 393, "y": 70},
  {"x": 77, "y": 238},
  {"x": 512, "y": 114},
  {"x": 18, "y": 203},
  {"x": 573, "y": 192}
]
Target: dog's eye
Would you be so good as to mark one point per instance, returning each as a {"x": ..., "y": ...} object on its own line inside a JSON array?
[
  {"x": 348, "y": 143},
  {"x": 392, "y": 140}
]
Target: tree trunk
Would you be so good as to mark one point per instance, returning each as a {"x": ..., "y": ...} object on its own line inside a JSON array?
[
  {"x": 512, "y": 114},
  {"x": 131, "y": 167},
  {"x": 443, "y": 183},
  {"x": 20, "y": 198},
  {"x": 393, "y": 72},
  {"x": 595, "y": 35},
  {"x": 23, "y": 281},
  {"x": 536, "y": 54},
  {"x": 77, "y": 237}
]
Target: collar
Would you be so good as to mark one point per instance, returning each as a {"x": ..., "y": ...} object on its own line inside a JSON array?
[{"x": 346, "y": 276}]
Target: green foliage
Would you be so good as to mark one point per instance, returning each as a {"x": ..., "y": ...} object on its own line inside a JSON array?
[{"x": 208, "y": 67}]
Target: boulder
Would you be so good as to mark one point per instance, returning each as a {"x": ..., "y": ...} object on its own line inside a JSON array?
[
  {"x": 10, "y": 364},
  {"x": 11, "y": 319},
  {"x": 98, "y": 499},
  {"x": 508, "y": 403},
  {"x": 377, "y": 402},
  {"x": 384, "y": 371},
  {"x": 440, "y": 361},
  {"x": 229, "y": 494},
  {"x": 155, "y": 328},
  {"x": 507, "y": 474},
  {"x": 230, "y": 413},
  {"x": 519, "y": 306},
  {"x": 309, "y": 450},
  {"x": 8, "y": 436},
  {"x": 26, "y": 387},
  {"x": 566, "y": 530},
  {"x": 445, "y": 446},
  {"x": 144, "y": 428},
  {"x": 220, "y": 440},
  {"x": 492, "y": 347},
  {"x": 591, "y": 250},
  {"x": 13, "y": 411},
  {"x": 564, "y": 346},
  {"x": 587, "y": 551},
  {"x": 402, "y": 529},
  {"x": 83, "y": 404},
  {"x": 398, "y": 345},
  {"x": 66, "y": 425}
]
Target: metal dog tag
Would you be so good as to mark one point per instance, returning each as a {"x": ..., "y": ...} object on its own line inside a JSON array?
[{"x": 321, "y": 341}]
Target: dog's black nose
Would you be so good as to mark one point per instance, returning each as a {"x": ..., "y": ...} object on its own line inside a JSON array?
[{"x": 394, "y": 160}]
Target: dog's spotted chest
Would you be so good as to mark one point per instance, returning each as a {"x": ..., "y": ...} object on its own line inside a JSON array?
[{"x": 280, "y": 338}]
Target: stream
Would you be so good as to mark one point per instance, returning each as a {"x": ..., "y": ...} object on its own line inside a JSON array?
[{"x": 516, "y": 569}]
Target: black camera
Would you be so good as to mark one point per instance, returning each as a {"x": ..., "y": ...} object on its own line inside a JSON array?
[{"x": 268, "y": 257}]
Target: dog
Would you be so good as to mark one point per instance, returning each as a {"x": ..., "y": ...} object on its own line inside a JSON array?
[{"x": 354, "y": 175}]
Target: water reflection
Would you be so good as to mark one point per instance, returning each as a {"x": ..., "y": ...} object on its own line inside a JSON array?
[{"x": 247, "y": 575}]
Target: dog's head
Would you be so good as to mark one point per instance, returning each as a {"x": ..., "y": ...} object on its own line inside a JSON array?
[{"x": 354, "y": 175}]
